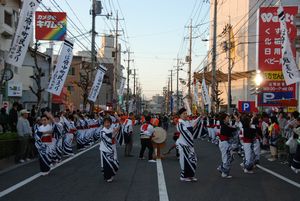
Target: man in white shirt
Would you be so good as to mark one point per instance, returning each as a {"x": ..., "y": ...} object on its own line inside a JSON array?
[{"x": 147, "y": 131}]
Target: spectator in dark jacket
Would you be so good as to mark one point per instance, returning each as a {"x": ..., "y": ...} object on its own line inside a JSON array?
[
  {"x": 13, "y": 117},
  {"x": 4, "y": 120}
]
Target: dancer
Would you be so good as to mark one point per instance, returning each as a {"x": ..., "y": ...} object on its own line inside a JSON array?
[
  {"x": 225, "y": 134},
  {"x": 147, "y": 132},
  {"x": 127, "y": 131},
  {"x": 185, "y": 144},
  {"x": 248, "y": 138},
  {"x": 43, "y": 141},
  {"x": 109, "y": 162}
]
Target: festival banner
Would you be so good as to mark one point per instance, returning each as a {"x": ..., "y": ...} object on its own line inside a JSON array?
[
  {"x": 269, "y": 54},
  {"x": 62, "y": 66},
  {"x": 23, "y": 34},
  {"x": 50, "y": 25},
  {"x": 289, "y": 68},
  {"x": 97, "y": 83},
  {"x": 205, "y": 95},
  {"x": 122, "y": 86}
]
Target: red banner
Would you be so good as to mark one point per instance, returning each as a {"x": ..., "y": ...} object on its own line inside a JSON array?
[
  {"x": 50, "y": 25},
  {"x": 274, "y": 88}
]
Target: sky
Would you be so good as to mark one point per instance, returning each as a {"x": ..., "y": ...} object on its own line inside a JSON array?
[{"x": 154, "y": 30}]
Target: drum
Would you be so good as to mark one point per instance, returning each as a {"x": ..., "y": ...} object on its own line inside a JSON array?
[{"x": 160, "y": 135}]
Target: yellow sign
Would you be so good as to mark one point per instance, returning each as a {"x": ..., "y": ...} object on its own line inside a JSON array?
[
  {"x": 292, "y": 109},
  {"x": 273, "y": 75}
]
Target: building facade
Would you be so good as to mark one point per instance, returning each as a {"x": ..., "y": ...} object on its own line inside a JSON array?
[{"x": 243, "y": 16}]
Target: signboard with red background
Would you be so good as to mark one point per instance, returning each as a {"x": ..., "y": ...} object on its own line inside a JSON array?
[
  {"x": 246, "y": 106},
  {"x": 274, "y": 89},
  {"x": 50, "y": 25}
]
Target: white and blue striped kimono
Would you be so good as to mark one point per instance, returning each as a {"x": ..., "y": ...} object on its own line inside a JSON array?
[
  {"x": 68, "y": 137},
  {"x": 81, "y": 136},
  {"x": 58, "y": 133},
  {"x": 109, "y": 162},
  {"x": 189, "y": 130},
  {"x": 45, "y": 149}
]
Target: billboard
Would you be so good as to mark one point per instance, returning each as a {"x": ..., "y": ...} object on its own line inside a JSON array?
[
  {"x": 50, "y": 25},
  {"x": 14, "y": 88},
  {"x": 274, "y": 88}
]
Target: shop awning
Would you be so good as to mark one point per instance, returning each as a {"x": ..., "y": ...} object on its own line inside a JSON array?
[{"x": 223, "y": 77}]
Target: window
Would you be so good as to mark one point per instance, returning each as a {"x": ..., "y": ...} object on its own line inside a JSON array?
[
  {"x": 8, "y": 18},
  {"x": 72, "y": 71}
]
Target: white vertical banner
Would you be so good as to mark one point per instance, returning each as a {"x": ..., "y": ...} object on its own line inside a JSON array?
[
  {"x": 289, "y": 68},
  {"x": 205, "y": 96},
  {"x": 122, "y": 85},
  {"x": 97, "y": 83},
  {"x": 23, "y": 33},
  {"x": 196, "y": 98},
  {"x": 62, "y": 66},
  {"x": 130, "y": 108},
  {"x": 187, "y": 106}
]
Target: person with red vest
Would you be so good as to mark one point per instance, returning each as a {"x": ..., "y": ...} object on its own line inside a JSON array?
[
  {"x": 226, "y": 133},
  {"x": 147, "y": 132},
  {"x": 127, "y": 130},
  {"x": 248, "y": 138}
]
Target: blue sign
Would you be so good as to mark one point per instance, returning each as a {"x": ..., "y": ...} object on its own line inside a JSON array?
[{"x": 273, "y": 98}]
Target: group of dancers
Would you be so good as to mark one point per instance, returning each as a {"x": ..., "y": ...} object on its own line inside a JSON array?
[
  {"x": 54, "y": 137},
  {"x": 244, "y": 134}
]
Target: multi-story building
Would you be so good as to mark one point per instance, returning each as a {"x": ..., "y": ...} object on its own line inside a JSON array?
[
  {"x": 82, "y": 62},
  {"x": 243, "y": 16},
  {"x": 8, "y": 24},
  {"x": 9, "y": 14},
  {"x": 107, "y": 55}
]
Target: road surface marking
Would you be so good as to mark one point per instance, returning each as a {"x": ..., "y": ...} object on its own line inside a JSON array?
[
  {"x": 30, "y": 179},
  {"x": 162, "y": 188},
  {"x": 279, "y": 176}
]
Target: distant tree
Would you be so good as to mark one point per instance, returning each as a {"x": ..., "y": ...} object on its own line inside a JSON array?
[{"x": 85, "y": 82}]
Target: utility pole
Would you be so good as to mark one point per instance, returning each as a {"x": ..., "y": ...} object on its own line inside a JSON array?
[
  {"x": 134, "y": 83},
  {"x": 168, "y": 96},
  {"x": 171, "y": 92},
  {"x": 229, "y": 67},
  {"x": 128, "y": 77},
  {"x": 213, "y": 63},
  {"x": 116, "y": 62},
  {"x": 93, "y": 40},
  {"x": 177, "y": 84},
  {"x": 190, "y": 64}
]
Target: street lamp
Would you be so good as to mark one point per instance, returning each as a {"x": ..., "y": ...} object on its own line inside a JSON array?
[{"x": 258, "y": 78}]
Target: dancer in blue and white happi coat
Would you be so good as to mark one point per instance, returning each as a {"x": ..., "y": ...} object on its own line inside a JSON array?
[
  {"x": 185, "y": 143},
  {"x": 109, "y": 162},
  {"x": 81, "y": 133},
  {"x": 43, "y": 143},
  {"x": 70, "y": 130},
  {"x": 58, "y": 133}
]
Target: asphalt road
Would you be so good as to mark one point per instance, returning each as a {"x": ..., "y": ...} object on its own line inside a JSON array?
[{"x": 81, "y": 179}]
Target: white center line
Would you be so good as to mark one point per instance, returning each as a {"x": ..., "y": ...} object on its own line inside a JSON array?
[
  {"x": 279, "y": 176},
  {"x": 30, "y": 179},
  {"x": 162, "y": 188}
]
